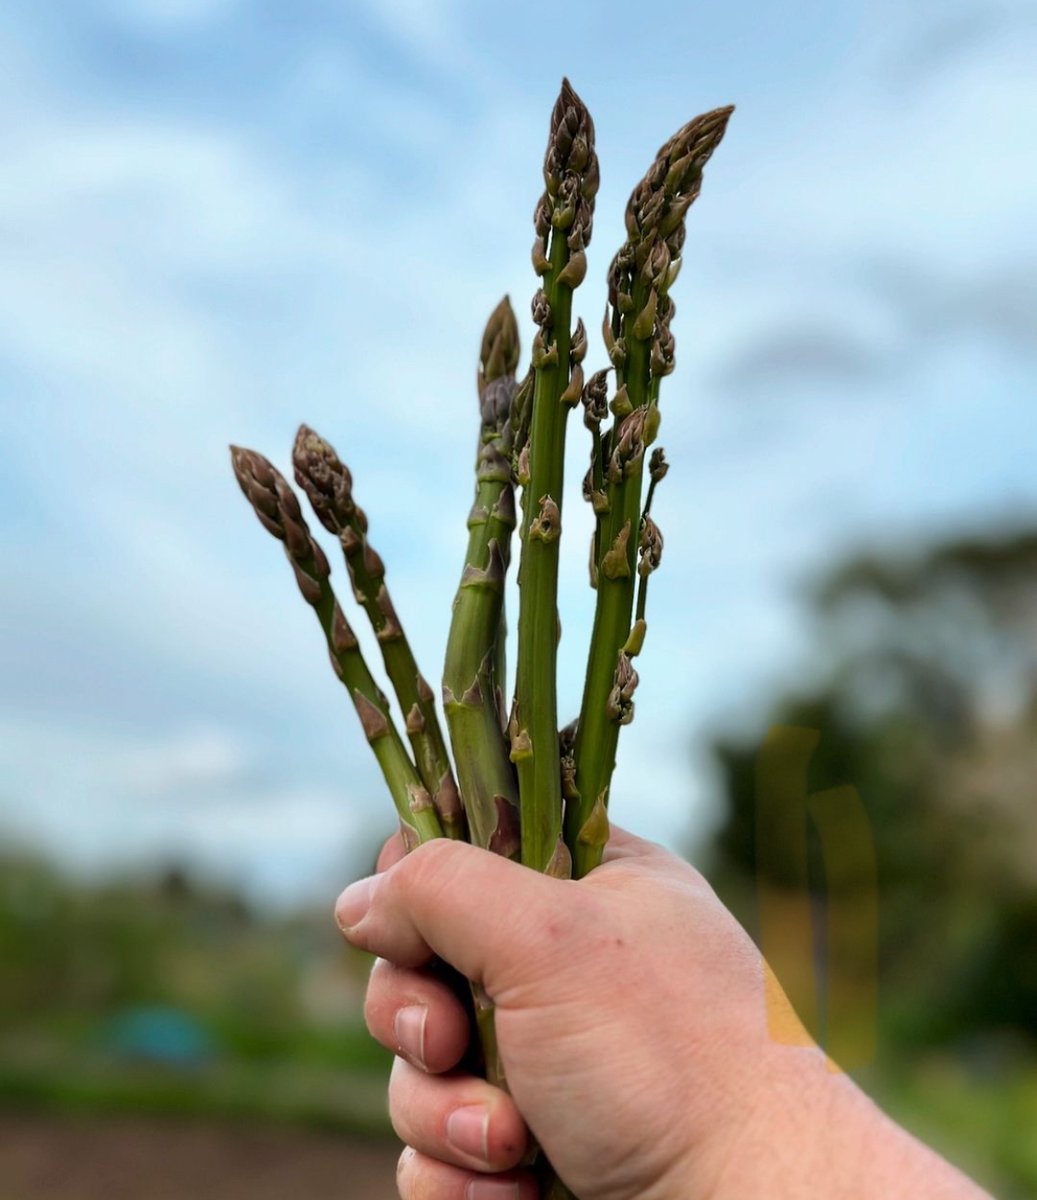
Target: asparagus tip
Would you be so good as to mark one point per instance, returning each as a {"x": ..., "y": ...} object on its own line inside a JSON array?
[
  {"x": 571, "y": 177},
  {"x": 326, "y": 480},
  {"x": 308, "y": 442},
  {"x": 499, "y": 352},
  {"x": 251, "y": 469}
]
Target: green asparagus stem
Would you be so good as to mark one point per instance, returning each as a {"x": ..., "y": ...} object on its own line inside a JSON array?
[
  {"x": 641, "y": 346},
  {"x": 278, "y": 510},
  {"x": 474, "y": 670},
  {"x": 329, "y": 486},
  {"x": 563, "y": 222},
  {"x": 473, "y": 674}
]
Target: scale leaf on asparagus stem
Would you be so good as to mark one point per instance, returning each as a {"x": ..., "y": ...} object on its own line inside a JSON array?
[
  {"x": 641, "y": 347},
  {"x": 563, "y": 221},
  {"x": 473, "y": 673},
  {"x": 514, "y": 780},
  {"x": 277, "y": 507},
  {"x": 328, "y": 483}
]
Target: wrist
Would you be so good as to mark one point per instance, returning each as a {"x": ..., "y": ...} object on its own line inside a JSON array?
[
  {"x": 809, "y": 1131},
  {"x": 789, "y": 1128}
]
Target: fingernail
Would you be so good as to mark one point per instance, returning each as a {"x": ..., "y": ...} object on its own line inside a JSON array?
[
  {"x": 409, "y": 1027},
  {"x": 491, "y": 1189},
  {"x": 353, "y": 904},
  {"x": 468, "y": 1130}
]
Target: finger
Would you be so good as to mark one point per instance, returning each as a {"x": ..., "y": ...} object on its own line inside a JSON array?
[
  {"x": 391, "y": 853},
  {"x": 416, "y": 1016},
  {"x": 423, "y": 906},
  {"x": 457, "y": 1119},
  {"x": 420, "y": 1177}
]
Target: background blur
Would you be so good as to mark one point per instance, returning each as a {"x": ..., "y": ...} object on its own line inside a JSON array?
[{"x": 220, "y": 218}]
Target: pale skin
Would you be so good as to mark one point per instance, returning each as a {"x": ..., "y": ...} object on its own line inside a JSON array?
[{"x": 633, "y": 1027}]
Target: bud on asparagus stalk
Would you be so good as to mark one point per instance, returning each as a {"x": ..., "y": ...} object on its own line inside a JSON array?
[
  {"x": 563, "y": 222},
  {"x": 473, "y": 675},
  {"x": 329, "y": 485},
  {"x": 650, "y": 547},
  {"x": 278, "y": 510},
  {"x": 595, "y": 410},
  {"x": 531, "y": 770},
  {"x": 641, "y": 347}
]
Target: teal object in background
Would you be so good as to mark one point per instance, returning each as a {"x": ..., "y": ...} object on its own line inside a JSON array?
[{"x": 159, "y": 1035}]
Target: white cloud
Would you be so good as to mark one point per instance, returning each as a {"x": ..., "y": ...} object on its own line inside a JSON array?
[
  {"x": 187, "y": 762},
  {"x": 95, "y": 794},
  {"x": 175, "y": 280}
]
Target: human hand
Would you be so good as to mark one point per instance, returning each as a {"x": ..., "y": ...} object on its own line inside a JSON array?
[
  {"x": 629, "y": 1016},
  {"x": 633, "y": 1027}
]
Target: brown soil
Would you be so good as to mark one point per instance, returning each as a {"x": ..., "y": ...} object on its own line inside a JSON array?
[{"x": 128, "y": 1158}]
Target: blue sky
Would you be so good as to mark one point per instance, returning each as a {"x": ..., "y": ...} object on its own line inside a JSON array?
[{"x": 218, "y": 219}]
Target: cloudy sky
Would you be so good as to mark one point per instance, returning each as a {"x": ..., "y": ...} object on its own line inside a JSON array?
[{"x": 220, "y": 217}]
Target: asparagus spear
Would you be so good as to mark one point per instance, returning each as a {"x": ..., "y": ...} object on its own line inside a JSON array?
[
  {"x": 329, "y": 486},
  {"x": 641, "y": 347},
  {"x": 278, "y": 510},
  {"x": 473, "y": 674},
  {"x": 563, "y": 222}
]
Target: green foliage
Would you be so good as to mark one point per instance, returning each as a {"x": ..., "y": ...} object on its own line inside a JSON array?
[
  {"x": 169, "y": 996},
  {"x": 928, "y": 707},
  {"x": 918, "y": 651}
]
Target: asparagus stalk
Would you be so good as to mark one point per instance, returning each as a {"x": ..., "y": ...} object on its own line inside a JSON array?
[
  {"x": 641, "y": 347},
  {"x": 563, "y": 222},
  {"x": 473, "y": 674},
  {"x": 278, "y": 510},
  {"x": 329, "y": 486}
]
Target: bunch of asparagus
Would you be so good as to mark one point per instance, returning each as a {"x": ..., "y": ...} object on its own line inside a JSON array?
[{"x": 524, "y": 788}]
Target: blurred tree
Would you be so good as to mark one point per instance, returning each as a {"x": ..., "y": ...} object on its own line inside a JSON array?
[{"x": 927, "y": 705}]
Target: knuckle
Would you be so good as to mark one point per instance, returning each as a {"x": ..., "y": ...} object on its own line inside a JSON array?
[
  {"x": 576, "y": 909},
  {"x": 397, "y": 1117},
  {"x": 373, "y": 999},
  {"x": 416, "y": 876},
  {"x": 394, "y": 1083},
  {"x": 371, "y": 1014},
  {"x": 405, "y": 1172},
  {"x": 379, "y": 981},
  {"x": 400, "y": 1097}
]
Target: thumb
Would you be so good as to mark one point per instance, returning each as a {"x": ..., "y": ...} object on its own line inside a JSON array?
[{"x": 483, "y": 914}]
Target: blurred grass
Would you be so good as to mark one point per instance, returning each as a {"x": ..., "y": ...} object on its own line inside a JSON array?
[
  {"x": 163, "y": 996},
  {"x": 279, "y": 1092},
  {"x": 984, "y": 1120}
]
